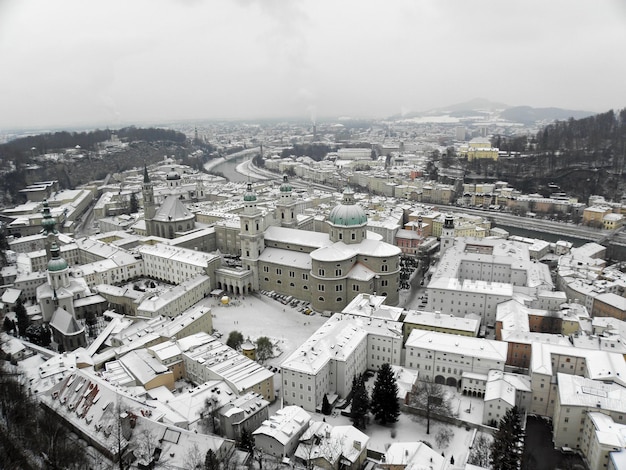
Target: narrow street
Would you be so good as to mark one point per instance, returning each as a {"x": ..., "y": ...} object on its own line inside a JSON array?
[{"x": 412, "y": 300}]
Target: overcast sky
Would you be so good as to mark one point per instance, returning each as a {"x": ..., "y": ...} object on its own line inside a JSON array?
[{"x": 110, "y": 62}]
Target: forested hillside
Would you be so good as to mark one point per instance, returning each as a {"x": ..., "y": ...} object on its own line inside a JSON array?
[
  {"x": 83, "y": 156},
  {"x": 583, "y": 156}
]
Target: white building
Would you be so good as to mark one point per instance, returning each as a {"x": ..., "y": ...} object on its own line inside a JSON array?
[
  {"x": 175, "y": 264},
  {"x": 549, "y": 360},
  {"x": 280, "y": 434},
  {"x": 475, "y": 275},
  {"x": 576, "y": 398},
  {"x": 344, "y": 347},
  {"x": 503, "y": 391},
  {"x": 444, "y": 358},
  {"x": 206, "y": 358},
  {"x": 177, "y": 299},
  {"x": 332, "y": 447}
]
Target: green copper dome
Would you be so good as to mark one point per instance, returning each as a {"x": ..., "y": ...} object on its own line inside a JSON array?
[
  {"x": 348, "y": 213},
  {"x": 249, "y": 196},
  {"x": 48, "y": 223},
  {"x": 285, "y": 187},
  {"x": 56, "y": 263}
]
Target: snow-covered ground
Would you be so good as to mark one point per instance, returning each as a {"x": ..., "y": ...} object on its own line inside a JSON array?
[{"x": 259, "y": 315}]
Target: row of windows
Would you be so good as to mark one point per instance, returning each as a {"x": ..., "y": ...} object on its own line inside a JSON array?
[
  {"x": 322, "y": 288},
  {"x": 292, "y": 274},
  {"x": 338, "y": 299}
]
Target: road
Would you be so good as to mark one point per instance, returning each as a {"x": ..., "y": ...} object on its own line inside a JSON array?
[
  {"x": 249, "y": 168},
  {"x": 540, "y": 225},
  {"x": 412, "y": 300}
]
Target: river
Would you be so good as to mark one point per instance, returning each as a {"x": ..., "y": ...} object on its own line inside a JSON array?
[{"x": 228, "y": 168}]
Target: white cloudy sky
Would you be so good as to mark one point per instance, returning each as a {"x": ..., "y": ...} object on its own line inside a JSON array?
[{"x": 108, "y": 62}]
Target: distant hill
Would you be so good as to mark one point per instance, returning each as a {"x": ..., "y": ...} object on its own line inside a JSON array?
[
  {"x": 529, "y": 115},
  {"x": 482, "y": 106},
  {"x": 477, "y": 104}
]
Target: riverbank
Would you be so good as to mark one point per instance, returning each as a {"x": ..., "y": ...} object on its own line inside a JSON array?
[{"x": 233, "y": 167}]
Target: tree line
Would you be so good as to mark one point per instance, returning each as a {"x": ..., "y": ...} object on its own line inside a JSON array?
[
  {"x": 31, "y": 437},
  {"x": 88, "y": 140},
  {"x": 316, "y": 151}
]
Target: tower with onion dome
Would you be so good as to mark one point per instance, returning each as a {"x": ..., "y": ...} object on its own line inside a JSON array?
[
  {"x": 286, "y": 205},
  {"x": 48, "y": 225},
  {"x": 149, "y": 206},
  {"x": 251, "y": 235},
  {"x": 447, "y": 233}
]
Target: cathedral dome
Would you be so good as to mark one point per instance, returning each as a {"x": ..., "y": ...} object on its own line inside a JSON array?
[
  {"x": 172, "y": 176},
  {"x": 348, "y": 213}
]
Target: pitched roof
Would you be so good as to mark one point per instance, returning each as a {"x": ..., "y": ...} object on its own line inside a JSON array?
[{"x": 172, "y": 209}]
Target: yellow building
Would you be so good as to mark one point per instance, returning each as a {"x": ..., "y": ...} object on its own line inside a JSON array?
[
  {"x": 594, "y": 216},
  {"x": 464, "y": 226},
  {"x": 479, "y": 148},
  {"x": 442, "y": 323},
  {"x": 612, "y": 221}
]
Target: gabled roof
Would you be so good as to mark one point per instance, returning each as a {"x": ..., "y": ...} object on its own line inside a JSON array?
[
  {"x": 64, "y": 322},
  {"x": 172, "y": 209}
]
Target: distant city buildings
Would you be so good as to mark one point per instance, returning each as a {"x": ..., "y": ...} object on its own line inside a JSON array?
[{"x": 497, "y": 323}]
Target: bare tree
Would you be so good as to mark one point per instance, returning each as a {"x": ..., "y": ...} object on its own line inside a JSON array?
[
  {"x": 148, "y": 449},
  {"x": 208, "y": 414},
  {"x": 194, "y": 459},
  {"x": 55, "y": 442},
  {"x": 264, "y": 349},
  {"x": 443, "y": 437},
  {"x": 116, "y": 428},
  {"x": 228, "y": 458},
  {"x": 432, "y": 398}
]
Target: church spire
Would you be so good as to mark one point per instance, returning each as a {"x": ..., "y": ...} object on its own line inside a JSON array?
[{"x": 48, "y": 223}]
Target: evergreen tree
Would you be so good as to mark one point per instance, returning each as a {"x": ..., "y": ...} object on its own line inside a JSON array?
[
  {"x": 326, "y": 408},
  {"x": 46, "y": 338},
  {"x": 507, "y": 446},
  {"x": 246, "y": 441},
  {"x": 360, "y": 403},
  {"x": 8, "y": 324},
  {"x": 384, "y": 403},
  {"x": 133, "y": 203},
  {"x": 235, "y": 339},
  {"x": 210, "y": 461},
  {"x": 22, "y": 318},
  {"x": 4, "y": 245}
]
